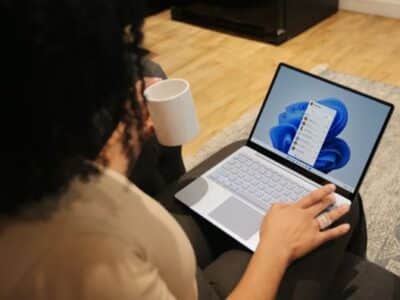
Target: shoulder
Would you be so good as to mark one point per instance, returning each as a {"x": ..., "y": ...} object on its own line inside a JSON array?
[{"x": 94, "y": 266}]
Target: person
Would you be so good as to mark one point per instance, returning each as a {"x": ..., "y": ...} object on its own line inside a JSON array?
[{"x": 72, "y": 225}]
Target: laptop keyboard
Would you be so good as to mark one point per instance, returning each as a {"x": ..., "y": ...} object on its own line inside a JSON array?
[{"x": 256, "y": 183}]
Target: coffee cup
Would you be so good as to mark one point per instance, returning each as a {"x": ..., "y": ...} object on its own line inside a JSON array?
[{"x": 172, "y": 111}]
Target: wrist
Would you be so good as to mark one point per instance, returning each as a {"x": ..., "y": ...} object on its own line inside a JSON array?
[{"x": 281, "y": 255}]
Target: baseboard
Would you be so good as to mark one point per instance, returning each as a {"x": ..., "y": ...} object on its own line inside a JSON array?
[{"x": 387, "y": 8}]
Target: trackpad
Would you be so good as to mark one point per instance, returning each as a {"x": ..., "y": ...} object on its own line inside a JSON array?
[{"x": 238, "y": 217}]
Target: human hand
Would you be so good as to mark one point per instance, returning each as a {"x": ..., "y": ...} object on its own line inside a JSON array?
[
  {"x": 148, "y": 81},
  {"x": 292, "y": 230},
  {"x": 148, "y": 123}
]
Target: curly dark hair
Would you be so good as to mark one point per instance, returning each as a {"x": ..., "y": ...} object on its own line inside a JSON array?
[{"x": 68, "y": 69}]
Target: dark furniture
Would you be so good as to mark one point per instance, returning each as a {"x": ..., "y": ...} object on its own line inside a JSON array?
[
  {"x": 155, "y": 6},
  {"x": 273, "y": 21}
]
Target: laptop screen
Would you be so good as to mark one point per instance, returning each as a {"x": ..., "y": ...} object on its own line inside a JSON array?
[{"x": 322, "y": 127}]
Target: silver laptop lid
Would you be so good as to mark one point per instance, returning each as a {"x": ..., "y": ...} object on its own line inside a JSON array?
[{"x": 321, "y": 129}]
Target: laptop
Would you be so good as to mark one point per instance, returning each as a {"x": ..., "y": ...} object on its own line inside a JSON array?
[{"x": 309, "y": 132}]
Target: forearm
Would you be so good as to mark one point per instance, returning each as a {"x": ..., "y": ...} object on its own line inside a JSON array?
[{"x": 263, "y": 275}]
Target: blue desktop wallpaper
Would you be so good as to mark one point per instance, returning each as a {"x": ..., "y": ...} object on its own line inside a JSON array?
[
  {"x": 335, "y": 152},
  {"x": 353, "y": 134}
]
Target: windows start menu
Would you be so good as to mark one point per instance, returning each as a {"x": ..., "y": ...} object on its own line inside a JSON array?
[{"x": 312, "y": 132}]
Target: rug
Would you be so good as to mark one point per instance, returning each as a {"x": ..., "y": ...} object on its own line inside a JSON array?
[{"x": 381, "y": 188}]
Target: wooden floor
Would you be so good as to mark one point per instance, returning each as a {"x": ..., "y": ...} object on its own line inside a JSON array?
[{"x": 230, "y": 75}]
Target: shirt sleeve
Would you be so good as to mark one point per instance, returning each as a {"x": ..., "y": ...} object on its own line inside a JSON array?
[{"x": 97, "y": 269}]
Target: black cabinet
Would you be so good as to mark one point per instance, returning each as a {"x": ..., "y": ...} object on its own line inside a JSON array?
[
  {"x": 155, "y": 6},
  {"x": 273, "y": 21}
]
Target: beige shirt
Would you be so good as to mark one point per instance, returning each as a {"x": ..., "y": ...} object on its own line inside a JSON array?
[{"x": 104, "y": 239}]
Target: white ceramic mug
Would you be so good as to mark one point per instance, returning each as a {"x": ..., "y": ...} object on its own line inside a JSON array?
[{"x": 173, "y": 112}]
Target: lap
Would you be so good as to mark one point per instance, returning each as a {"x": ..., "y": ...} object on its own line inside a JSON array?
[
  {"x": 224, "y": 273},
  {"x": 308, "y": 278},
  {"x": 359, "y": 279},
  {"x": 356, "y": 279}
]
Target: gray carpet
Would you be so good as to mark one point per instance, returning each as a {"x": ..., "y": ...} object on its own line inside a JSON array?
[{"x": 381, "y": 187}]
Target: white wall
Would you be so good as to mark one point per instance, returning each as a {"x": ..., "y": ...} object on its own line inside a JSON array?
[{"x": 387, "y": 8}]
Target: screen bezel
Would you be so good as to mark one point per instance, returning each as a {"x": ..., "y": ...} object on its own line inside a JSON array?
[{"x": 299, "y": 169}]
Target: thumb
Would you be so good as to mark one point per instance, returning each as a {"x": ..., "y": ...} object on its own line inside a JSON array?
[{"x": 148, "y": 81}]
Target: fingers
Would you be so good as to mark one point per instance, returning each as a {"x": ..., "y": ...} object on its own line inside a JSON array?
[
  {"x": 148, "y": 129},
  {"x": 337, "y": 213},
  {"x": 148, "y": 81},
  {"x": 317, "y": 208},
  {"x": 334, "y": 233},
  {"x": 316, "y": 196}
]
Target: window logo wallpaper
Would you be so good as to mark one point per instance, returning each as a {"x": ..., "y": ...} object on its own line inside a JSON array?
[{"x": 335, "y": 152}]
